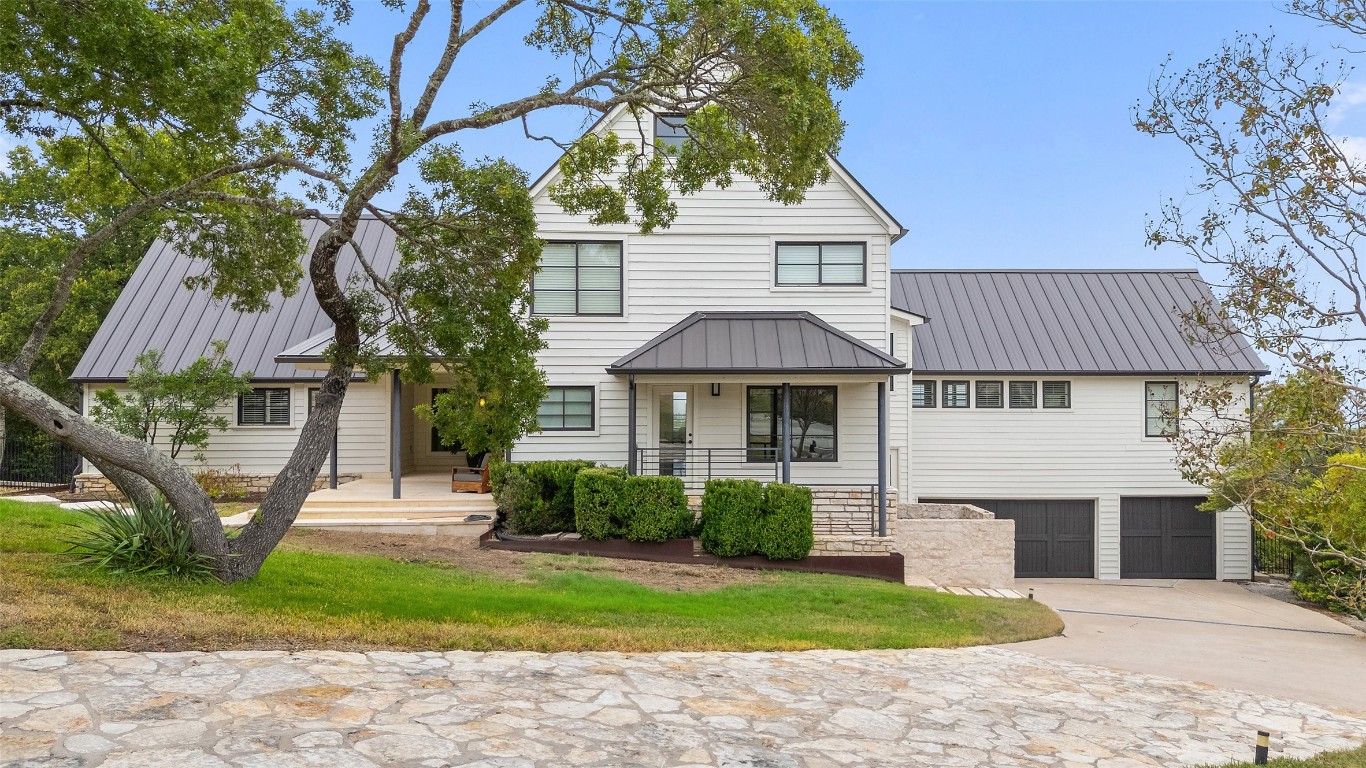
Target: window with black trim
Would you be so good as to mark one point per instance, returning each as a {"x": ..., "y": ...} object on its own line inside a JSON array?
[
  {"x": 1160, "y": 401},
  {"x": 1057, "y": 394},
  {"x": 813, "y": 414},
  {"x": 821, "y": 264},
  {"x": 1024, "y": 394},
  {"x": 565, "y": 409},
  {"x": 580, "y": 278},
  {"x": 922, "y": 394},
  {"x": 263, "y": 407},
  {"x": 671, "y": 131},
  {"x": 990, "y": 394},
  {"x": 955, "y": 394}
]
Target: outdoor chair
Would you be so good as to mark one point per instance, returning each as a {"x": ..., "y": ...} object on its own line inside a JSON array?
[{"x": 471, "y": 478}]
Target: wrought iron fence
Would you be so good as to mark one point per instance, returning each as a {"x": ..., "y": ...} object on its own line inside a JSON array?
[
  {"x": 37, "y": 461},
  {"x": 1276, "y": 557}
]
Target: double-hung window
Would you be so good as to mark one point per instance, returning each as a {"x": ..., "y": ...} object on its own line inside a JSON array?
[
  {"x": 1024, "y": 394},
  {"x": 956, "y": 394},
  {"x": 1160, "y": 408},
  {"x": 812, "y": 413},
  {"x": 582, "y": 278},
  {"x": 922, "y": 394},
  {"x": 268, "y": 406},
  {"x": 821, "y": 264},
  {"x": 565, "y": 409}
]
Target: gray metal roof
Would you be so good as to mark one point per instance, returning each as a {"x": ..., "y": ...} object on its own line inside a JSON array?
[
  {"x": 156, "y": 311},
  {"x": 312, "y": 349},
  {"x": 1063, "y": 321},
  {"x": 756, "y": 342}
]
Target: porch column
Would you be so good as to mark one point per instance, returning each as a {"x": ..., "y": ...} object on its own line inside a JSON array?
[
  {"x": 787, "y": 433},
  {"x": 882, "y": 458},
  {"x": 396, "y": 434},
  {"x": 332, "y": 480},
  {"x": 631, "y": 425}
]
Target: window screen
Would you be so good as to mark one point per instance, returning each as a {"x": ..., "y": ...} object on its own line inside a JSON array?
[
  {"x": 578, "y": 279},
  {"x": 1160, "y": 408},
  {"x": 922, "y": 394},
  {"x": 1057, "y": 394},
  {"x": 566, "y": 408},
  {"x": 955, "y": 394},
  {"x": 263, "y": 407},
  {"x": 1024, "y": 394},
  {"x": 821, "y": 264},
  {"x": 990, "y": 394}
]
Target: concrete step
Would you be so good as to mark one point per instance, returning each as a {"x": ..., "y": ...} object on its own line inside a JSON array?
[
  {"x": 397, "y": 511},
  {"x": 454, "y": 500},
  {"x": 433, "y": 526}
]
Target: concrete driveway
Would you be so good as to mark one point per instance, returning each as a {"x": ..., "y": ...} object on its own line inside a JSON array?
[{"x": 1207, "y": 632}]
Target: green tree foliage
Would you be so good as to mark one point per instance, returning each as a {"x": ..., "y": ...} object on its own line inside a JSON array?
[
  {"x": 181, "y": 407},
  {"x": 655, "y": 509}
]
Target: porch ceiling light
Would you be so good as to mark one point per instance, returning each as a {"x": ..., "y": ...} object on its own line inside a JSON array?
[{"x": 715, "y": 390}]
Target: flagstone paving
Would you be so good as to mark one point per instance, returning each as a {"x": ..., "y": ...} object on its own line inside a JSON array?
[{"x": 969, "y": 707}]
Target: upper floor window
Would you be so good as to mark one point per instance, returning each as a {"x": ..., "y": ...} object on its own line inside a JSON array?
[
  {"x": 955, "y": 394},
  {"x": 581, "y": 278},
  {"x": 1024, "y": 394},
  {"x": 566, "y": 408},
  {"x": 1057, "y": 394},
  {"x": 1160, "y": 404},
  {"x": 990, "y": 394},
  {"x": 821, "y": 264},
  {"x": 922, "y": 394},
  {"x": 263, "y": 407},
  {"x": 671, "y": 131}
]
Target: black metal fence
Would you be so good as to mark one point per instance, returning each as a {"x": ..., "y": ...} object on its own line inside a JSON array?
[
  {"x": 1276, "y": 557},
  {"x": 37, "y": 461},
  {"x": 695, "y": 466}
]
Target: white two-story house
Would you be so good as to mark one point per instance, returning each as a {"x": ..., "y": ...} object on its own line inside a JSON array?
[{"x": 754, "y": 339}]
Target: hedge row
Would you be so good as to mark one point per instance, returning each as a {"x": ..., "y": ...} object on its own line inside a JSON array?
[
  {"x": 743, "y": 517},
  {"x": 609, "y": 504},
  {"x": 536, "y": 497}
]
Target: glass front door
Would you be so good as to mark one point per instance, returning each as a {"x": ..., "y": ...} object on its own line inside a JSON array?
[{"x": 674, "y": 430}]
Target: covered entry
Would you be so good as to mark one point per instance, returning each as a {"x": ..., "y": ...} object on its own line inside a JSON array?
[
  {"x": 1053, "y": 537},
  {"x": 1165, "y": 538}
]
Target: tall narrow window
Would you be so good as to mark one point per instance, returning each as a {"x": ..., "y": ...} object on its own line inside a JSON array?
[
  {"x": 263, "y": 407},
  {"x": 1057, "y": 394},
  {"x": 1024, "y": 394},
  {"x": 671, "y": 131},
  {"x": 955, "y": 394},
  {"x": 821, "y": 264},
  {"x": 578, "y": 279},
  {"x": 813, "y": 423},
  {"x": 990, "y": 394},
  {"x": 922, "y": 394},
  {"x": 566, "y": 408},
  {"x": 1160, "y": 408}
]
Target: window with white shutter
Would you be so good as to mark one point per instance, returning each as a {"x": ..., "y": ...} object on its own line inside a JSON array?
[
  {"x": 821, "y": 264},
  {"x": 1057, "y": 394},
  {"x": 264, "y": 407},
  {"x": 922, "y": 394},
  {"x": 990, "y": 394},
  {"x": 1024, "y": 394}
]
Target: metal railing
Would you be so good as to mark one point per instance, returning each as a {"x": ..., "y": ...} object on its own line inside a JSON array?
[
  {"x": 37, "y": 462},
  {"x": 1274, "y": 556},
  {"x": 695, "y": 466}
]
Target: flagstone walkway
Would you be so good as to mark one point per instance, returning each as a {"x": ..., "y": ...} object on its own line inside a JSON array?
[{"x": 970, "y": 707}]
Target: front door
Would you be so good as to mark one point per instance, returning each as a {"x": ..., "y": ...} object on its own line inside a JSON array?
[{"x": 674, "y": 429}]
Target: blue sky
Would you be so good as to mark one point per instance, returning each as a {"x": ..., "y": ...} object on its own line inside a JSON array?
[{"x": 998, "y": 133}]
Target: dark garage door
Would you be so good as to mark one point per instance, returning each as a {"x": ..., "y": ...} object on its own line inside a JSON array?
[
  {"x": 1053, "y": 537},
  {"x": 1165, "y": 538}
]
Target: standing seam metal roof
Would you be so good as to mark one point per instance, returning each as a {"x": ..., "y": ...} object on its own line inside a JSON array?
[{"x": 1063, "y": 322}]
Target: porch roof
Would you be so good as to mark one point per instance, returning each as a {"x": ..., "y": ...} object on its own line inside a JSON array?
[{"x": 756, "y": 342}]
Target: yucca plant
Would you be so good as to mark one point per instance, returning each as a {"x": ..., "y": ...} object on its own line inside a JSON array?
[{"x": 142, "y": 539}]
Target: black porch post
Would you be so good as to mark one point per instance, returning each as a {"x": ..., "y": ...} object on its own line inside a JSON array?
[
  {"x": 396, "y": 433},
  {"x": 631, "y": 425},
  {"x": 332, "y": 481},
  {"x": 882, "y": 458},
  {"x": 787, "y": 433}
]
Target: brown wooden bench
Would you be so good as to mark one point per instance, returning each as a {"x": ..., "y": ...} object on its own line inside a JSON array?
[{"x": 473, "y": 479}]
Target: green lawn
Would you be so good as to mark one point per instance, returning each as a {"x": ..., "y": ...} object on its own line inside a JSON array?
[
  {"x": 314, "y": 599},
  {"x": 1352, "y": 758}
]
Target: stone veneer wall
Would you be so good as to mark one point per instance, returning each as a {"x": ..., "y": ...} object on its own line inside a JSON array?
[
  {"x": 955, "y": 545},
  {"x": 853, "y": 545},
  {"x": 97, "y": 485},
  {"x": 848, "y": 512}
]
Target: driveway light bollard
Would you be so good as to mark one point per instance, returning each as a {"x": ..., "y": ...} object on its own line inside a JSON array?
[
  {"x": 1263, "y": 746},
  {"x": 1031, "y": 593}
]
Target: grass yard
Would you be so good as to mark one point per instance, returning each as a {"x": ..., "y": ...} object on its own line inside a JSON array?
[
  {"x": 1352, "y": 758},
  {"x": 314, "y": 593}
]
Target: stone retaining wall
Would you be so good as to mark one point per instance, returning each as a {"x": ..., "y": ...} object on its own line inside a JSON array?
[
  {"x": 955, "y": 545},
  {"x": 99, "y": 486},
  {"x": 853, "y": 545},
  {"x": 844, "y": 512}
]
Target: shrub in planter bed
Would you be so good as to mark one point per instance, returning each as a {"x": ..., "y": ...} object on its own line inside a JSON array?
[
  {"x": 655, "y": 509},
  {"x": 786, "y": 533},
  {"x": 536, "y": 496},
  {"x": 598, "y": 502},
  {"x": 732, "y": 511}
]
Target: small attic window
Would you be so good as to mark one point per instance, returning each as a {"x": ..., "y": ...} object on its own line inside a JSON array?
[{"x": 671, "y": 131}]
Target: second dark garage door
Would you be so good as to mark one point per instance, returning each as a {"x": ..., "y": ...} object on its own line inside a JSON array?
[
  {"x": 1165, "y": 538},
  {"x": 1053, "y": 537}
]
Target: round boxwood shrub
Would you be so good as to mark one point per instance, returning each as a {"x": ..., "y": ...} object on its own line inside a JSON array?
[
  {"x": 655, "y": 509},
  {"x": 732, "y": 511},
  {"x": 785, "y": 533},
  {"x": 598, "y": 502}
]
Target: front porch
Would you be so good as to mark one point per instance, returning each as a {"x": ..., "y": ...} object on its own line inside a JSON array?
[{"x": 427, "y": 506}]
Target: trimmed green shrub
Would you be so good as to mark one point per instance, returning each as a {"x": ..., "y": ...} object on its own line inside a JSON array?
[
  {"x": 786, "y": 533},
  {"x": 598, "y": 502},
  {"x": 536, "y": 497},
  {"x": 146, "y": 540},
  {"x": 732, "y": 511},
  {"x": 655, "y": 509}
]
